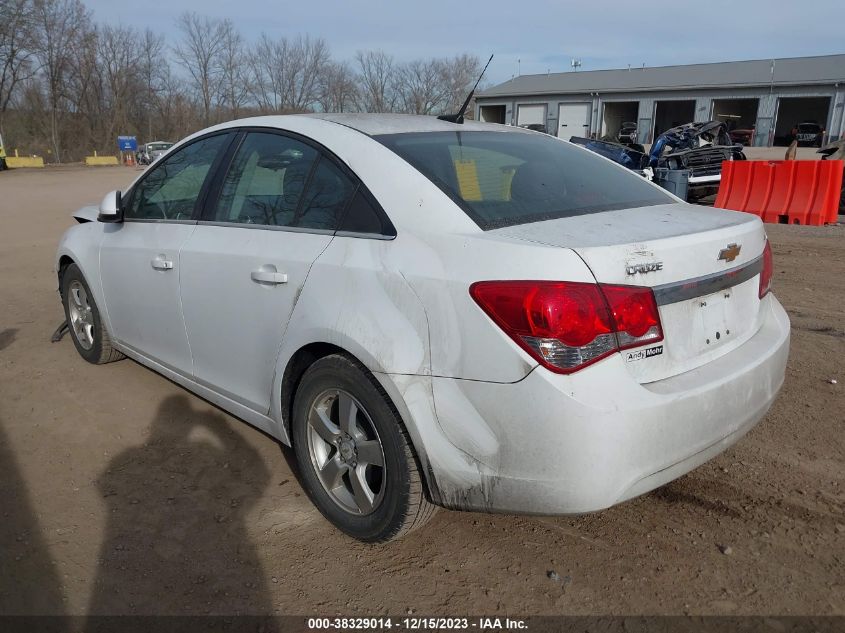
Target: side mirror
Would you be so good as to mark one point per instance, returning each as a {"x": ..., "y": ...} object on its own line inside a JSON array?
[{"x": 110, "y": 209}]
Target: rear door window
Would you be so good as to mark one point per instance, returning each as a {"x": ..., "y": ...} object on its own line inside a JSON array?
[{"x": 265, "y": 181}]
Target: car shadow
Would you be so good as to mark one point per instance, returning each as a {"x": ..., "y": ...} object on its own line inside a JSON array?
[
  {"x": 29, "y": 582},
  {"x": 7, "y": 337},
  {"x": 176, "y": 540}
]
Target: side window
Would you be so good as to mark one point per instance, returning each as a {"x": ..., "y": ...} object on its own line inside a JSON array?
[
  {"x": 326, "y": 196},
  {"x": 171, "y": 190},
  {"x": 265, "y": 182},
  {"x": 361, "y": 217}
]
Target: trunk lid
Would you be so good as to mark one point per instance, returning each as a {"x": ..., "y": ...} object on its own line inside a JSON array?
[{"x": 706, "y": 288}]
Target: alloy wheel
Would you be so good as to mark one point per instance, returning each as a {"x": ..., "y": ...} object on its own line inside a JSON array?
[
  {"x": 346, "y": 452},
  {"x": 81, "y": 315}
]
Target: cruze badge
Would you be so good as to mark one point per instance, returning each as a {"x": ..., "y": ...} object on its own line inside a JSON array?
[
  {"x": 633, "y": 269},
  {"x": 730, "y": 253}
]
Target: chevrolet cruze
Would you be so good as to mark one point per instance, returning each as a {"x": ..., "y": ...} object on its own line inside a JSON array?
[{"x": 473, "y": 316}]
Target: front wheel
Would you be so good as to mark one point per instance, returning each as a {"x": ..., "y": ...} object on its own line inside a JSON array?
[
  {"x": 87, "y": 330},
  {"x": 355, "y": 459}
]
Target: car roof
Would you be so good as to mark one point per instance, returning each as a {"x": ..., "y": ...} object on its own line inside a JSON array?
[{"x": 376, "y": 124}]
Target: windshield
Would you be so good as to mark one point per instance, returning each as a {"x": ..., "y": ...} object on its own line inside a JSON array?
[{"x": 501, "y": 179}]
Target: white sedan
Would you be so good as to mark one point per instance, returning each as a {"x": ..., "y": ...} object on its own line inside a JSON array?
[{"x": 468, "y": 315}]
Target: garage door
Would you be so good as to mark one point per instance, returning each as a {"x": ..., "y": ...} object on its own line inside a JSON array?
[
  {"x": 573, "y": 120},
  {"x": 528, "y": 114}
]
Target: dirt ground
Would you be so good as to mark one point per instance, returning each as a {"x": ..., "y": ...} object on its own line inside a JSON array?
[{"x": 122, "y": 493}]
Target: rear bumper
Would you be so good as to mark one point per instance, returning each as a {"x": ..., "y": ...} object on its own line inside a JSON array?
[{"x": 553, "y": 444}]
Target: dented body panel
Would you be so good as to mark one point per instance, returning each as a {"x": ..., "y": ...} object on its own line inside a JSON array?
[{"x": 493, "y": 429}]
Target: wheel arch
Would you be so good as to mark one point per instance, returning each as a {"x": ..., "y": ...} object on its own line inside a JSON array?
[
  {"x": 307, "y": 355},
  {"x": 64, "y": 263}
]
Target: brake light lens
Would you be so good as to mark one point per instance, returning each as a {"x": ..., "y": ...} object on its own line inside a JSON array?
[
  {"x": 635, "y": 314},
  {"x": 568, "y": 325},
  {"x": 766, "y": 273}
]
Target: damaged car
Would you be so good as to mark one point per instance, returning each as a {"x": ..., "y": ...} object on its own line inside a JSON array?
[
  {"x": 434, "y": 313},
  {"x": 699, "y": 148}
]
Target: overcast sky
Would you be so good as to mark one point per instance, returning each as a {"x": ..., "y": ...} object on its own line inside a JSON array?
[{"x": 543, "y": 35}]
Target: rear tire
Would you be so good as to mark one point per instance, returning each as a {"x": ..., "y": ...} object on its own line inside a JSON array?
[
  {"x": 87, "y": 330},
  {"x": 355, "y": 458}
]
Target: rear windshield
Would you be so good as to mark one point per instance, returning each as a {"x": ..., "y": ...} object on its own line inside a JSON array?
[{"x": 502, "y": 179}]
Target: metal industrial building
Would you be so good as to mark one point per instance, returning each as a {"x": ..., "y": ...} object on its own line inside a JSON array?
[{"x": 771, "y": 96}]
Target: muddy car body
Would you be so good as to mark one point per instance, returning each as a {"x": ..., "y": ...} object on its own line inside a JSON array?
[{"x": 475, "y": 316}]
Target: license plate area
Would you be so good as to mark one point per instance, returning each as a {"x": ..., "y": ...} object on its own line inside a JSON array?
[{"x": 714, "y": 317}]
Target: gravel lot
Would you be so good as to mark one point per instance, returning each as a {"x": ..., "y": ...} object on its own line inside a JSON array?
[{"x": 122, "y": 493}]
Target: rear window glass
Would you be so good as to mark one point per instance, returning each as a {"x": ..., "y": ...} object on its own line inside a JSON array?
[{"x": 501, "y": 179}]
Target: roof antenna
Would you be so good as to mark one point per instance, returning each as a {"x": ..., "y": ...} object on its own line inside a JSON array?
[{"x": 459, "y": 117}]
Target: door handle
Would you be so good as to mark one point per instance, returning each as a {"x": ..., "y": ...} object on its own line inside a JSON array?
[
  {"x": 160, "y": 262},
  {"x": 269, "y": 275}
]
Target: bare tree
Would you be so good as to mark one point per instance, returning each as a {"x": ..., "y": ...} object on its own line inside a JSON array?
[
  {"x": 459, "y": 75},
  {"x": 309, "y": 60},
  {"x": 339, "y": 92},
  {"x": 16, "y": 58},
  {"x": 155, "y": 72},
  {"x": 287, "y": 73},
  {"x": 267, "y": 69},
  {"x": 58, "y": 26},
  {"x": 234, "y": 77},
  {"x": 84, "y": 92},
  {"x": 62, "y": 77},
  {"x": 119, "y": 61},
  {"x": 199, "y": 55},
  {"x": 421, "y": 86},
  {"x": 377, "y": 81}
]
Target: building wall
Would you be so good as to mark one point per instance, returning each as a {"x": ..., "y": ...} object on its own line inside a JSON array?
[{"x": 766, "y": 114}]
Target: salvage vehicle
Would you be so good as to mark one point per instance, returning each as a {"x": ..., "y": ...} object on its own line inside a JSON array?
[
  {"x": 434, "y": 312},
  {"x": 700, "y": 148},
  {"x": 743, "y": 136},
  {"x": 626, "y": 155},
  {"x": 627, "y": 133},
  {"x": 808, "y": 134}
]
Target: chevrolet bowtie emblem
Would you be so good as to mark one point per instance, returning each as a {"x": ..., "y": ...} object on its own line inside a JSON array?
[{"x": 730, "y": 253}]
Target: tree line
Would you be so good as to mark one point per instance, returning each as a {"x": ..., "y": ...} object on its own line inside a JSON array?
[{"x": 69, "y": 86}]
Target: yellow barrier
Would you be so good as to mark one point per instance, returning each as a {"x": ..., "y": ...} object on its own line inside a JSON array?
[
  {"x": 101, "y": 160},
  {"x": 14, "y": 162}
]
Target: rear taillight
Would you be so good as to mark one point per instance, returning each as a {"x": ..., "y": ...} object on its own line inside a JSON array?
[
  {"x": 766, "y": 273},
  {"x": 569, "y": 325}
]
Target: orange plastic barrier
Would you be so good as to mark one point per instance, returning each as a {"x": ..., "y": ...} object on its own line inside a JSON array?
[{"x": 783, "y": 191}]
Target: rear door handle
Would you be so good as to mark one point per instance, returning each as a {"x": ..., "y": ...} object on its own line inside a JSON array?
[
  {"x": 160, "y": 262},
  {"x": 269, "y": 275}
]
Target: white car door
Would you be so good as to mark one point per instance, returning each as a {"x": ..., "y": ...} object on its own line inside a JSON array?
[
  {"x": 139, "y": 258},
  {"x": 274, "y": 213}
]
